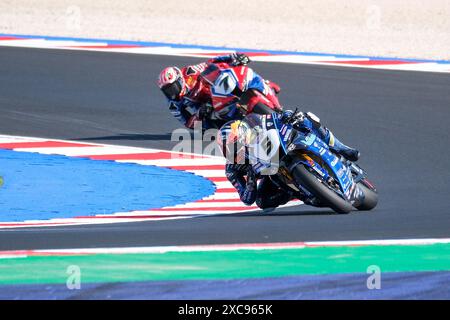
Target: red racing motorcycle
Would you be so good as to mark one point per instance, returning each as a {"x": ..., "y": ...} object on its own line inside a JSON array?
[{"x": 236, "y": 91}]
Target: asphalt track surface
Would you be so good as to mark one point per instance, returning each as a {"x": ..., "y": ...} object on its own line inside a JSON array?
[{"x": 399, "y": 120}]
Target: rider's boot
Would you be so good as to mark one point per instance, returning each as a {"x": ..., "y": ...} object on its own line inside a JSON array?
[
  {"x": 272, "y": 201},
  {"x": 349, "y": 153},
  {"x": 270, "y": 196}
]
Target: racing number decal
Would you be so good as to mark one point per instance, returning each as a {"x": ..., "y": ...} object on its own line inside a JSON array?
[{"x": 225, "y": 84}]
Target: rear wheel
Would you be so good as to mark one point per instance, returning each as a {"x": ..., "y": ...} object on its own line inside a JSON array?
[
  {"x": 320, "y": 190},
  {"x": 261, "y": 108},
  {"x": 251, "y": 98}
]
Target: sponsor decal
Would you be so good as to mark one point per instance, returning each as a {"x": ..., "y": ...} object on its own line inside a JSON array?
[
  {"x": 190, "y": 81},
  {"x": 334, "y": 162},
  {"x": 288, "y": 133},
  {"x": 317, "y": 169},
  {"x": 322, "y": 151}
]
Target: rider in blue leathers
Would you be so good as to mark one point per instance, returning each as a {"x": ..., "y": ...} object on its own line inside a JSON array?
[{"x": 267, "y": 194}]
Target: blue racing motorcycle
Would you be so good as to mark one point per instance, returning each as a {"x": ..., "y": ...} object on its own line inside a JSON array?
[{"x": 301, "y": 163}]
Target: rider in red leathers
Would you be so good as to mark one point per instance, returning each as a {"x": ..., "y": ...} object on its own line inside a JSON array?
[{"x": 190, "y": 97}]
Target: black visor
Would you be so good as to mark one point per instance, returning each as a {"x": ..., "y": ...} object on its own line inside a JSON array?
[{"x": 173, "y": 90}]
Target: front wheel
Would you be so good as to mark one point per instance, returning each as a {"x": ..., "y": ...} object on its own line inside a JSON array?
[
  {"x": 320, "y": 190},
  {"x": 370, "y": 198}
]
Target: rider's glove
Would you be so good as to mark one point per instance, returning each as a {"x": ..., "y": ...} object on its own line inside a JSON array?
[
  {"x": 295, "y": 119},
  {"x": 292, "y": 117},
  {"x": 239, "y": 59}
]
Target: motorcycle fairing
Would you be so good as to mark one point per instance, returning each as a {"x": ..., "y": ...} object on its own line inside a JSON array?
[{"x": 313, "y": 144}]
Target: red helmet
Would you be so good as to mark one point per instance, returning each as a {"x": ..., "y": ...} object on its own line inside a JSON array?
[{"x": 172, "y": 83}]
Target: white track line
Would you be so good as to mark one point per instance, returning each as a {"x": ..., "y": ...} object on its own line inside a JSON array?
[
  {"x": 223, "y": 247},
  {"x": 193, "y": 51}
]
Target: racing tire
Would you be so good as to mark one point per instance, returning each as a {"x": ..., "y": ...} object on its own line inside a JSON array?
[
  {"x": 321, "y": 191},
  {"x": 261, "y": 108},
  {"x": 370, "y": 198}
]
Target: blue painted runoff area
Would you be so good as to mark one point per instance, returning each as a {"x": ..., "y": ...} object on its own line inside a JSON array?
[{"x": 37, "y": 186}]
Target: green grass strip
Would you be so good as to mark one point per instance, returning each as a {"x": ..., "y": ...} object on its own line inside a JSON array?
[{"x": 225, "y": 264}]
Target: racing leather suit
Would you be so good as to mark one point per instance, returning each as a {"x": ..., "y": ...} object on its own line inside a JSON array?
[
  {"x": 197, "y": 98},
  {"x": 185, "y": 109}
]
